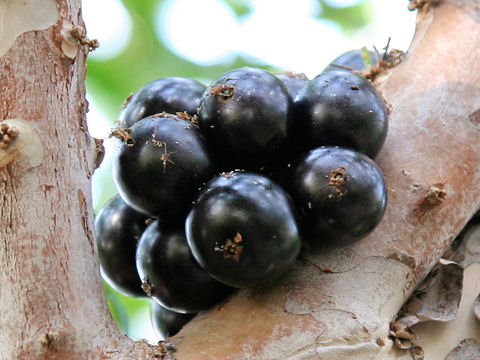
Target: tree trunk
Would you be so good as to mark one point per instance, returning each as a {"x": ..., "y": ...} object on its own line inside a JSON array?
[
  {"x": 52, "y": 303},
  {"x": 337, "y": 303}
]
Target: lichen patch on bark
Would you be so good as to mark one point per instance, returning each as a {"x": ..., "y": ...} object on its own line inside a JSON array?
[{"x": 310, "y": 295}]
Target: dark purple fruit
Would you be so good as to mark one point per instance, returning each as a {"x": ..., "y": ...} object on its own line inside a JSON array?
[
  {"x": 293, "y": 81},
  {"x": 170, "y": 94},
  {"x": 246, "y": 113},
  {"x": 242, "y": 230},
  {"x": 170, "y": 274},
  {"x": 341, "y": 108},
  {"x": 354, "y": 60},
  {"x": 118, "y": 228},
  {"x": 166, "y": 322},
  {"x": 341, "y": 195},
  {"x": 160, "y": 164}
]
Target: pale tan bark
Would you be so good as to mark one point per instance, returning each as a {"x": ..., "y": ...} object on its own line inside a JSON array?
[{"x": 51, "y": 298}]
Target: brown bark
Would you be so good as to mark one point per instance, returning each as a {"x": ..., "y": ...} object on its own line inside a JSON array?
[{"x": 51, "y": 298}]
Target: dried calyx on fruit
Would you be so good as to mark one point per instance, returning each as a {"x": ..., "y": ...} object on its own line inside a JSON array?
[
  {"x": 161, "y": 164},
  {"x": 170, "y": 94},
  {"x": 242, "y": 230},
  {"x": 305, "y": 148},
  {"x": 246, "y": 115}
]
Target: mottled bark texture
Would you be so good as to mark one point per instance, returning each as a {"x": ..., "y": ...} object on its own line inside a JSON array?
[
  {"x": 337, "y": 303},
  {"x": 52, "y": 304}
]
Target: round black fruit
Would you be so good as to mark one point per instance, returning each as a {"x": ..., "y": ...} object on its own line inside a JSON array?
[
  {"x": 118, "y": 228},
  {"x": 246, "y": 113},
  {"x": 242, "y": 230},
  {"x": 170, "y": 274},
  {"x": 343, "y": 109},
  {"x": 160, "y": 164},
  {"x": 358, "y": 59},
  {"x": 341, "y": 195},
  {"x": 170, "y": 94},
  {"x": 166, "y": 322},
  {"x": 293, "y": 81}
]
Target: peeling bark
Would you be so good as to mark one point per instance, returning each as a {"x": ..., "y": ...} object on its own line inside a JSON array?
[
  {"x": 442, "y": 311},
  {"x": 437, "y": 298},
  {"x": 439, "y": 338},
  {"x": 51, "y": 297},
  {"x": 467, "y": 349}
]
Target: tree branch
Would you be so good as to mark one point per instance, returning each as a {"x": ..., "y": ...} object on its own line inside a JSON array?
[
  {"x": 51, "y": 297},
  {"x": 432, "y": 143}
]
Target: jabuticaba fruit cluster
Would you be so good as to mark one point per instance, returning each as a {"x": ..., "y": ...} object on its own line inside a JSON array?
[{"x": 221, "y": 186}]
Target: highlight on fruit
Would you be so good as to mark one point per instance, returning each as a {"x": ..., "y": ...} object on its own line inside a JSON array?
[{"x": 222, "y": 186}]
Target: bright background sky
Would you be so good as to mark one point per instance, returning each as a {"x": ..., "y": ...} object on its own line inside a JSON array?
[{"x": 218, "y": 36}]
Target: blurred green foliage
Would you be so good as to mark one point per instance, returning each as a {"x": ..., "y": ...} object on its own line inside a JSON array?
[
  {"x": 146, "y": 58},
  {"x": 128, "y": 312},
  {"x": 240, "y": 7},
  {"x": 350, "y": 18}
]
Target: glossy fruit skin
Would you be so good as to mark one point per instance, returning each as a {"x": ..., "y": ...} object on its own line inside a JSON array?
[
  {"x": 341, "y": 108},
  {"x": 159, "y": 170},
  {"x": 352, "y": 59},
  {"x": 341, "y": 194},
  {"x": 118, "y": 228},
  {"x": 294, "y": 82},
  {"x": 166, "y": 322},
  {"x": 170, "y": 274},
  {"x": 246, "y": 113},
  {"x": 243, "y": 230},
  {"x": 169, "y": 94}
]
